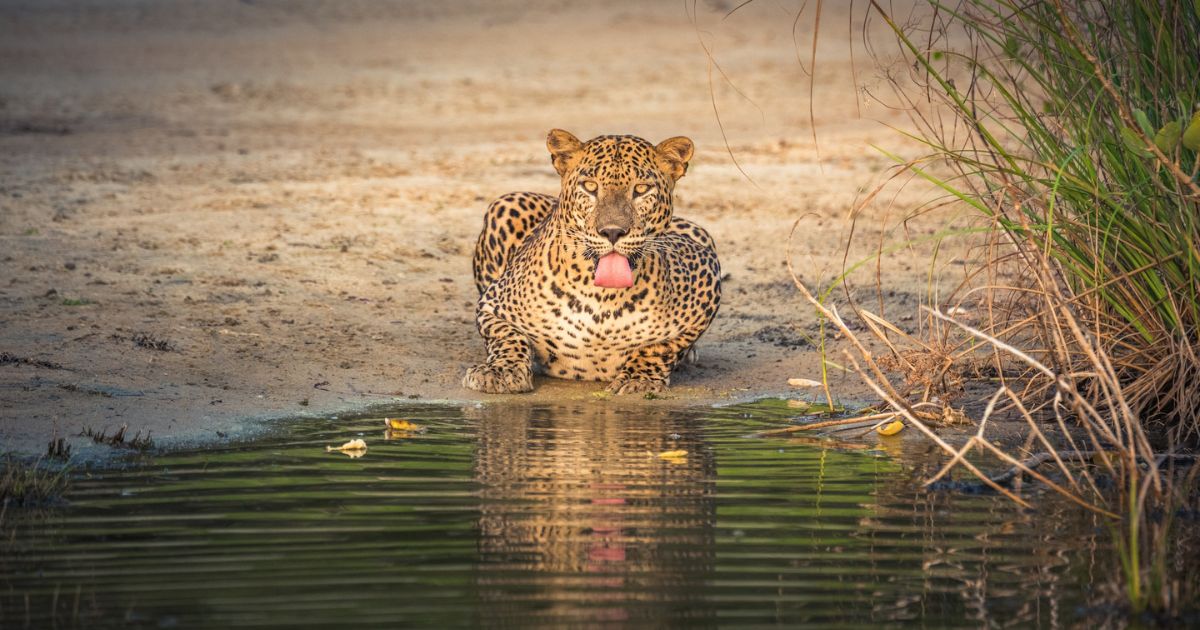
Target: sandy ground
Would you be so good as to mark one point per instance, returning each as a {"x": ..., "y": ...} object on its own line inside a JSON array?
[{"x": 213, "y": 213}]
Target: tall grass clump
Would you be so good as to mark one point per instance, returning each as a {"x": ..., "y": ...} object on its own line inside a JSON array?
[
  {"x": 1072, "y": 128},
  {"x": 29, "y": 484}
]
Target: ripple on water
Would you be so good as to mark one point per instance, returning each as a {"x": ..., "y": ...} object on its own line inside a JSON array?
[{"x": 528, "y": 514}]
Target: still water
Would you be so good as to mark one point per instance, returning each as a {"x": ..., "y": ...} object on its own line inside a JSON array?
[{"x": 553, "y": 515}]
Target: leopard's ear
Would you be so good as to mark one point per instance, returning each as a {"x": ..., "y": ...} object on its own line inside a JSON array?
[
  {"x": 673, "y": 155},
  {"x": 564, "y": 150}
]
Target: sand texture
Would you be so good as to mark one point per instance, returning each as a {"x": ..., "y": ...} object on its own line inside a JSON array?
[{"x": 217, "y": 212}]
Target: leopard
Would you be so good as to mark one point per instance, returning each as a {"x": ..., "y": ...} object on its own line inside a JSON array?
[{"x": 602, "y": 282}]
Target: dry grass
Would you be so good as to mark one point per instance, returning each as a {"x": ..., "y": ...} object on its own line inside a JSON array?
[
  {"x": 118, "y": 439},
  {"x": 29, "y": 484},
  {"x": 1095, "y": 441}
]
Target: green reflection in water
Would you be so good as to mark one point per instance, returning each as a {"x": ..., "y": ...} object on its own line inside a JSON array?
[{"x": 525, "y": 514}]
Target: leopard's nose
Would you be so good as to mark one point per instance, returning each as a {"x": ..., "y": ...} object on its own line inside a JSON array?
[{"x": 613, "y": 233}]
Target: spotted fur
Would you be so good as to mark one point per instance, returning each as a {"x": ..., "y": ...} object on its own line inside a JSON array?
[{"x": 535, "y": 262}]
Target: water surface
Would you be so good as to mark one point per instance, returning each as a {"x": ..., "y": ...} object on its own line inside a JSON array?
[{"x": 547, "y": 514}]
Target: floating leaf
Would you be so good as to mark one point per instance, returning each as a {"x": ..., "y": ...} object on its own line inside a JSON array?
[
  {"x": 803, "y": 382},
  {"x": 1191, "y": 135},
  {"x": 396, "y": 424},
  {"x": 354, "y": 448},
  {"x": 891, "y": 428},
  {"x": 1133, "y": 142},
  {"x": 1168, "y": 136},
  {"x": 675, "y": 457}
]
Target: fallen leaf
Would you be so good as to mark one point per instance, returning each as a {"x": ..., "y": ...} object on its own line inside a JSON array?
[
  {"x": 354, "y": 448},
  {"x": 674, "y": 457},
  {"x": 891, "y": 428},
  {"x": 803, "y": 382},
  {"x": 396, "y": 424}
]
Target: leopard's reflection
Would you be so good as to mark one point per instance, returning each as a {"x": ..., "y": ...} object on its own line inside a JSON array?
[{"x": 582, "y": 519}]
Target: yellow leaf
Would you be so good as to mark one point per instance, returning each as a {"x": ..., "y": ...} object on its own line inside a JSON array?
[
  {"x": 803, "y": 382},
  {"x": 353, "y": 448},
  {"x": 891, "y": 428},
  {"x": 396, "y": 424},
  {"x": 678, "y": 454}
]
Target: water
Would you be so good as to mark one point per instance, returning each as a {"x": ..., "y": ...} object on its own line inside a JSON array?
[{"x": 558, "y": 515}]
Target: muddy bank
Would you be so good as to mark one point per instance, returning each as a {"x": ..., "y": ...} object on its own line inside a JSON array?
[{"x": 214, "y": 213}]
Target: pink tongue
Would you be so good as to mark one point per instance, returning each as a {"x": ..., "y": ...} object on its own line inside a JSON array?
[{"x": 613, "y": 272}]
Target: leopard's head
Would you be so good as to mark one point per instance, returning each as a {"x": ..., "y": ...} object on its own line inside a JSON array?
[{"x": 616, "y": 190}]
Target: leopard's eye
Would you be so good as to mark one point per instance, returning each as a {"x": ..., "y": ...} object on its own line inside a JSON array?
[
  {"x": 590, "y": 186},
  {"x": 641, "y": 189}
]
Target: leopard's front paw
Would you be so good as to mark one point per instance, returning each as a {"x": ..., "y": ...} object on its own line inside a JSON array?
[
  {"x": 625, "y": 384},
  {"x": 493, "y": 379}
]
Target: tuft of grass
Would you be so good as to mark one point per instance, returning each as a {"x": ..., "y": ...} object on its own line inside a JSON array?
[
  {"x": 118, "y": 439},
  {"x": 29, "y": 484},
  {"x": 152, "y": 342},
  {"x": 57, "y": 448}
]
